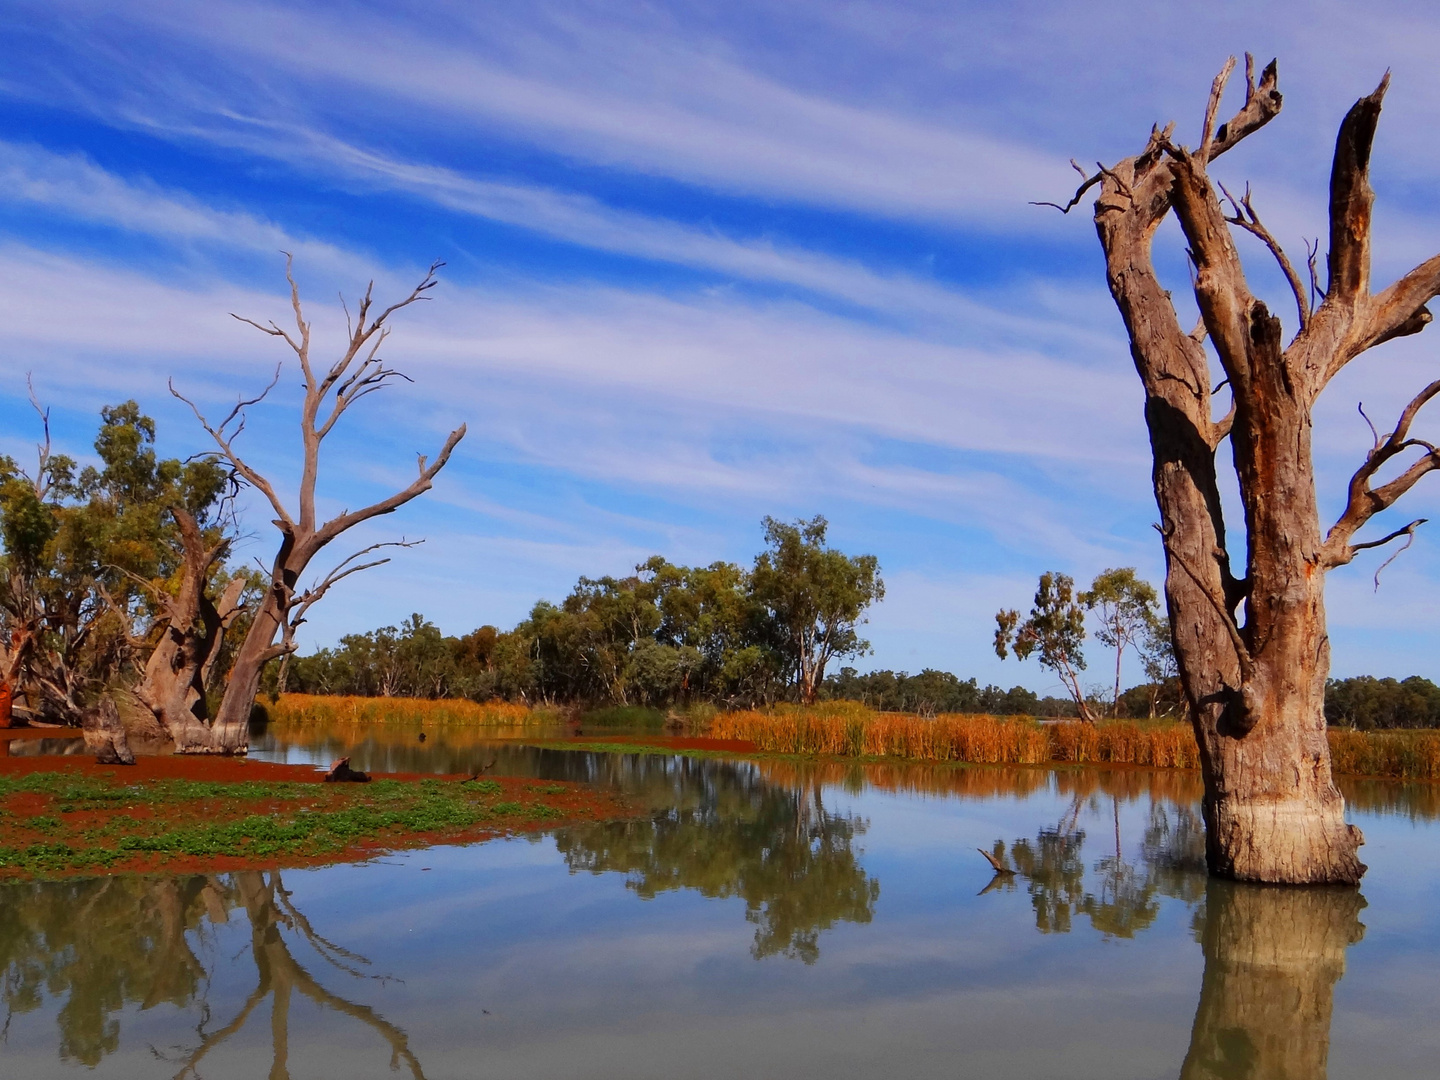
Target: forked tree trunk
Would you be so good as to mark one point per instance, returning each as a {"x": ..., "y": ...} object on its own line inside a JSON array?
[
  {"x": 173, "y": 684},
  {"x": 1272, "y": 959},
  {"x": 1256, "y": 691}
]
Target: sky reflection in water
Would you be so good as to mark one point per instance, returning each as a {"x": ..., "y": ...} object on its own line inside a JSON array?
[{"x": 770, "y": 920}]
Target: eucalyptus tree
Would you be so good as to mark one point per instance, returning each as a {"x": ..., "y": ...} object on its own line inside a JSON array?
[
  {"x": 1124, "y": 605},
  {"x": 358, "y": 372},
  {"x": 1053, "y": 632},
  {"x": 814, "y": 596},
  {"x": 116, "y": 571},
  {"x": 1256, "y": 687}
]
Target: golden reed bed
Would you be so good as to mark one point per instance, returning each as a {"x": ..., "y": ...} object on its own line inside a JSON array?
[
  {"x": 848, "y": 730},
  {"x": 842, "y": 729},
  {"x": 340, "y": 709}
]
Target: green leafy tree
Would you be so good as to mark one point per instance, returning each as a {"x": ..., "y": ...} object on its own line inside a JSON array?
[
  {"x": 814, "y": 596},
  {"x": 1054, "y": 632},
  {"x": 1367, "y": 703},
  {"x": 1125, "y": 607},
  {"x": 113, "y": 571}
]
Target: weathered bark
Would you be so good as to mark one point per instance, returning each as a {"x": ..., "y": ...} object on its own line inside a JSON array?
[
  {"x": 173, "y": 684},
  {"x": 359, "y": 371},
  {"x": 1256, "y": 691},
  {"x": 1272, "y": 959},
  {"x": 105, "y": 735}
]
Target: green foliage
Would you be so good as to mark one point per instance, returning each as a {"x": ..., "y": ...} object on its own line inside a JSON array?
[
  {"x": 665, "y": 635},
  {"x": 1053, "y": 631},
  {"x": 790, "y": 860},
  {"x": 933, "y": 692},
  {"x": 91, "y": 556},
  {"x": 814, "y": 597},
  {"x": 1367, "y": 703},
  {"x": 1127, "y": 610}
]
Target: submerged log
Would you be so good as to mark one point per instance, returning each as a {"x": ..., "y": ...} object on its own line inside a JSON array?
[
  {"x": 342, "y": 773},
  {"x": 997, "y": 865}
]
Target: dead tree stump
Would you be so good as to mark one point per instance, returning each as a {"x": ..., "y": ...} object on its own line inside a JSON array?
[{"x": 105, "y": 735}]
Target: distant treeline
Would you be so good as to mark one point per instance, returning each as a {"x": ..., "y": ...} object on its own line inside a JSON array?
[
  {"x": 1367, "y": 703},
  {"x": 526, "y": 665},
  {"x": 664, "y": 634}
]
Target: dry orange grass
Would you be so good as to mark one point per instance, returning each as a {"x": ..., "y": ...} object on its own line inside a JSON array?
[
  {"x": 1402, "y": 755},
  {"x": 337, "y": 709},
  {"x": 846, "y": 729}
]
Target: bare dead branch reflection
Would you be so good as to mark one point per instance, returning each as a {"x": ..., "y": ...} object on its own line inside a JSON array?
[{"x": 102, "y": 945}]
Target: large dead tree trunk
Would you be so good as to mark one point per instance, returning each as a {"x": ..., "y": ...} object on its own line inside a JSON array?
[
  {"x": 359, "y": 371},
  {"x": 1256, "y": 689},
  {"x": 173, "y": 684}
]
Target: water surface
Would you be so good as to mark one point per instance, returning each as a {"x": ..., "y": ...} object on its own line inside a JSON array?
[{"x": 754, "y": 920}]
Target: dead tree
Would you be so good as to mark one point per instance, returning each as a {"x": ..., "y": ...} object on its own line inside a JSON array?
[
  {"x": 359, "y": 371},
  {"x": 1256, "y": 687}
]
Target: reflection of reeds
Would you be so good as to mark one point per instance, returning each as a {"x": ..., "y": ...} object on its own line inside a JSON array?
[
  {"x": 336, "y": 709},
  {"x": 920, "y": 778},
  {"x": 845, "y": 729}
]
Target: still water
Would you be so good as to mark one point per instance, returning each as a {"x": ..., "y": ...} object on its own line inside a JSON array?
[{"x": 756, "y": 920}]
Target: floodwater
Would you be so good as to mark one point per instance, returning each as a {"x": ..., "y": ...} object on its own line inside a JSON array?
[{"x": 755, "y": 920}]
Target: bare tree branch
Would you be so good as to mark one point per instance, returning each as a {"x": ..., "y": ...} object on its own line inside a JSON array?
[
  {"x": 1247, "y": 219},
  {"x": 1352, "y": 201},
  {"x": 226, "y": 444},
  {"x": 1408, "y": 532},
  {"x": 1086, "y": 185},
  {"x": 1212, "y": 107},
  {"x": 1363, "y": 501},
  {"x": 1262, "y": 104},
  {"x": 421, "y": 484},
  {"x": 41, "y": 481}
]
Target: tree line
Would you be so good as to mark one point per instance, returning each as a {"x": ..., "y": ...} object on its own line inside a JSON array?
[
  {"x": 585, "y": 651},
  {"x": 663, "y": 635},
  {"x": 114, "y": 575}
]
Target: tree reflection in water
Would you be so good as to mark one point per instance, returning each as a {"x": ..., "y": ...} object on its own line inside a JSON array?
[
  {"x": 776, "y": 847},
  {"x": 107, "y": 944},
  {"x": 1272, "y": 954}
]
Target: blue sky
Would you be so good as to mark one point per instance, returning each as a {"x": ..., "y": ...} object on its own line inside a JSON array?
[{"x": 705, "y": 262}]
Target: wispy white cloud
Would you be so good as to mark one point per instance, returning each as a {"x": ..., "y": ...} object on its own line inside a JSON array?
[{"x": 591, "y": 89}]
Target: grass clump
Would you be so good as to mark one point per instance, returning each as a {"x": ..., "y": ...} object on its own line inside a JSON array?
[
  {"x": 456, "y": 712},
  {"x": 848, "y": 729},
  {"x": 624, "y": 716}
]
